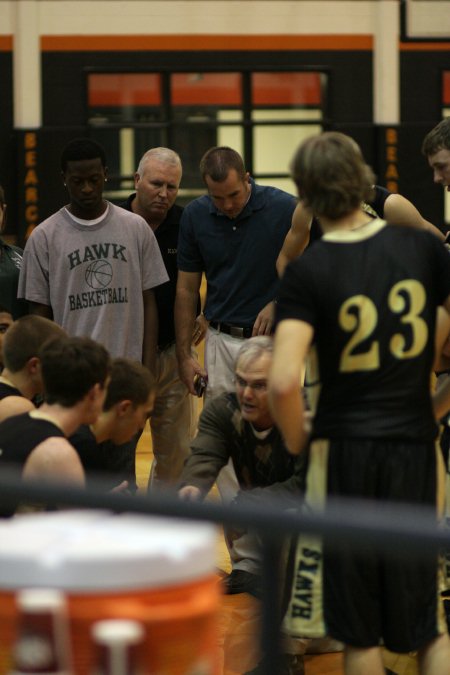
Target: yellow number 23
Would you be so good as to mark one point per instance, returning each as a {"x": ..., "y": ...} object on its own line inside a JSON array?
[{"x": 358, "y": 315}]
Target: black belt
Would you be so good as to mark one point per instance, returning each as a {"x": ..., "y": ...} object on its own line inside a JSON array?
[{"x": 235, "y": 331}]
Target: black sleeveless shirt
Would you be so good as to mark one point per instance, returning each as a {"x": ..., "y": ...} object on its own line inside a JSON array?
[
  {"x": 20, "y": 434},
  {"x": 8, "y": 390}
]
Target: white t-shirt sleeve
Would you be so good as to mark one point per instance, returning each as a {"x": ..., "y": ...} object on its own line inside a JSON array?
[
  {"x": 153, "y": 269},
  {"x": 34, "y": 274}
]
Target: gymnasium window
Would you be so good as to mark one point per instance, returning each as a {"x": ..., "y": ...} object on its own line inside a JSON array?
[{"x": 262, "y": 114}]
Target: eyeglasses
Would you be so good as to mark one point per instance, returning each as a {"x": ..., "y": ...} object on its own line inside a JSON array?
[{"x": 259, "y": 385}]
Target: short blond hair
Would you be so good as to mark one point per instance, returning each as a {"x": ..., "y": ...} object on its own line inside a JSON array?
[{"x": 164, "y": 154}]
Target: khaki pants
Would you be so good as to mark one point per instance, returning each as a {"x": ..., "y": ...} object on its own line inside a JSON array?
[{"x": 173, "y": 422}]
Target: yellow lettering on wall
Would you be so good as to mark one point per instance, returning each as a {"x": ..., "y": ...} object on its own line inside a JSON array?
[
  {"x": 30, "y": 158},
  {"x": 391, "y": 136},
  {"x": 391, "y": 171},
  {"x": 30, "y": 140},
  {"x": 31, "y": 177},
  {"x": 31, "y": 194},
  {"x": 31, "y": 214},
  {"x": 391, "y": 153}
]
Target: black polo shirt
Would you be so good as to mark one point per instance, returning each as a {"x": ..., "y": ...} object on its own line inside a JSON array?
[{"x": 167, "y": 237}]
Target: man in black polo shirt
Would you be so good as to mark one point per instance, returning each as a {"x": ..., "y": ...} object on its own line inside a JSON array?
[{"x": 157, "y": 181}]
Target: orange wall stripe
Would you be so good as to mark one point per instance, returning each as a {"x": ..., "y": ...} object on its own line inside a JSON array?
[
  {"x": 446, "y": 87},
  {"x": 6, "y": 43},
  {"x": 52, "y": 43},
  {"x": 425, "y": 46},
  {"x": 215, "y": 42}
]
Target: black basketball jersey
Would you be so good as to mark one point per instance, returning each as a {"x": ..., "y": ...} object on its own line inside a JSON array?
[
  {"x": 20, "y": 434},
  {"x": 93, "y": 456},
  {"x": 375, "y": 208},
  {"x": 371, "y": 296},
  {"x": 8, "y": 390}
]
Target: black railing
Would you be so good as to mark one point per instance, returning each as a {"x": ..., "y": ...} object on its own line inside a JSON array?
[{"x": 400, "y": 531}]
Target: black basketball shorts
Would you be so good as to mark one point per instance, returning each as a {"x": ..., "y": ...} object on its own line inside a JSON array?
[{"x": 365, "y": 598}]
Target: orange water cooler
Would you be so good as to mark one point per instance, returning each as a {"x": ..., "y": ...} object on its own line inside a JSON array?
[{"x": 155, "y": 570}]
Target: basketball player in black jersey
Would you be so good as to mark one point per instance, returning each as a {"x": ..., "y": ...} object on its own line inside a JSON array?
[
  {"x": 75, "y": 373},
  {"x": 20, "y": 380},
  {"x": 394, "y": 208},
  {"x": 365, "y": 296},
  {"x": 127, "y": 406}
]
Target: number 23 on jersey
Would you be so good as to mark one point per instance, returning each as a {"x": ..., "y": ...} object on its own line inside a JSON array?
[{"x": 359, "y": 316}]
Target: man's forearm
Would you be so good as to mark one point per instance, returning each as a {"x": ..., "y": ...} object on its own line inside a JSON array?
[
  {"x": 201, "y": 470},
  {"x": 185, "y": 313},
  {"x": 289, "y": 415}
]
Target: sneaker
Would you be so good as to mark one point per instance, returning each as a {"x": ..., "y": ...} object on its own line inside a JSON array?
[
  {"x": 240, "y": 581},
  {"x": 289, "y": 664}
]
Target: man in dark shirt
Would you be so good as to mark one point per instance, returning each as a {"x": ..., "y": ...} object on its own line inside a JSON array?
[
  {"x": 172, "y": 425},
  {"x": 128, "y": 403},
  {"x": 10, "y": 264},
  {"x": 239, "y": 426},
  {"x": 232, "y": 235}
]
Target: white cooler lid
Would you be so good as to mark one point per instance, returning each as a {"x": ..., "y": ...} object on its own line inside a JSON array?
[{"x": 91, "y": 551}]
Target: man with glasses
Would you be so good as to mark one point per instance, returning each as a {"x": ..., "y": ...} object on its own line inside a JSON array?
[
  {"x": 233, "y": 235},
  {"x": 238, "y": 426}
]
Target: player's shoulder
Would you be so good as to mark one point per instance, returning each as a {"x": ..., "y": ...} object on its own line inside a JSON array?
[
  {"x": 50, "y": 224},
  {"x": 414, "y": 234},
  {"x": 13, "y": 405},
  {"x": 134, "y": 225}
]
